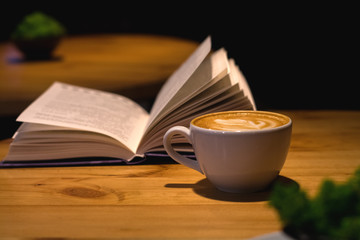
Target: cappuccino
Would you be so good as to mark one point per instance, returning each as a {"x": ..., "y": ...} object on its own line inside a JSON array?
[
  {"x": 238, "y": 151},
  {"x": 241, "y": 120}
]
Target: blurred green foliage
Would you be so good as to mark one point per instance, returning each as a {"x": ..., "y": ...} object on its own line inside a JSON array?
[
  {"x": 334, "y": 213},
  {"x": 38, "y": 25}
]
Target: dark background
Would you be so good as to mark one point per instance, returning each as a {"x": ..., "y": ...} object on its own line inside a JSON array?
[{"x": 294, "y": 56}]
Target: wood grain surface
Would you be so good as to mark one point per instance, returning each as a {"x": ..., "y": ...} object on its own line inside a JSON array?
[{"x": 168, "y": 201}]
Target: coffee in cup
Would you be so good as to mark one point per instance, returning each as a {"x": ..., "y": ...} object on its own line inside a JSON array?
[
  {"x": 238, "y": 151},
  {"x": 241, "y": 121}
]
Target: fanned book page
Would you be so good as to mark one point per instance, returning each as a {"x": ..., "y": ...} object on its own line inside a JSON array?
[{"x": 178, "y": 79}]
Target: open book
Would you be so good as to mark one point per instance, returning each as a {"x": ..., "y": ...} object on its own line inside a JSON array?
[{"x": 68, "y": 122}]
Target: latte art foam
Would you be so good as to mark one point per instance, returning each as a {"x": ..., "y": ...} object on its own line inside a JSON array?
[
  {"x": 241, "y": 121},
  {"x": 240, "y": 124}
]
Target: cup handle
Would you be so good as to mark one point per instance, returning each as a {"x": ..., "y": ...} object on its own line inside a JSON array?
[{"x": 173, "y": 154}]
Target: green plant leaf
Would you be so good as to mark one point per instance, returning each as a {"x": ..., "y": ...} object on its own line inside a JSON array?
[{"x": 38, "y": 25}]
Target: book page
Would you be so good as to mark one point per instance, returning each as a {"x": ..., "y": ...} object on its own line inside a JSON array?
[
  {"x": 179, "y": 78},
  {"x": 91, "y": 110},
  {"x": 196, "y": 102},
  {"x": 242, "y": 82},
  {"x": 212, "y": 69}
]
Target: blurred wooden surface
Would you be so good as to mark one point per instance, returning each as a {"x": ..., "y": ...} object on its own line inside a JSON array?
[
  {"x": 133, "y": 65},
  {"x": 167, "y": 201}
]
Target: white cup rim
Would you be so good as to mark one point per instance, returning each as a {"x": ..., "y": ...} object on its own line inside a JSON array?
[{"x": 242, "y": 131}]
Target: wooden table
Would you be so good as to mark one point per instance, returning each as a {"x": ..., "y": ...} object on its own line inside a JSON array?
[
  {"x": 133, "y": 65},
  {"x": 163, "y": 201}
]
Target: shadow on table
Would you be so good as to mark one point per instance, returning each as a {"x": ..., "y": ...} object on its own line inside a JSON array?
[
  {"x": 206, "y": 189},
  {"x": 20, "y": 60}
]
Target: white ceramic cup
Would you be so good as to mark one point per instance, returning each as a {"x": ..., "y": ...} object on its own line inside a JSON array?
[{"x": 235, "y": 160}]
